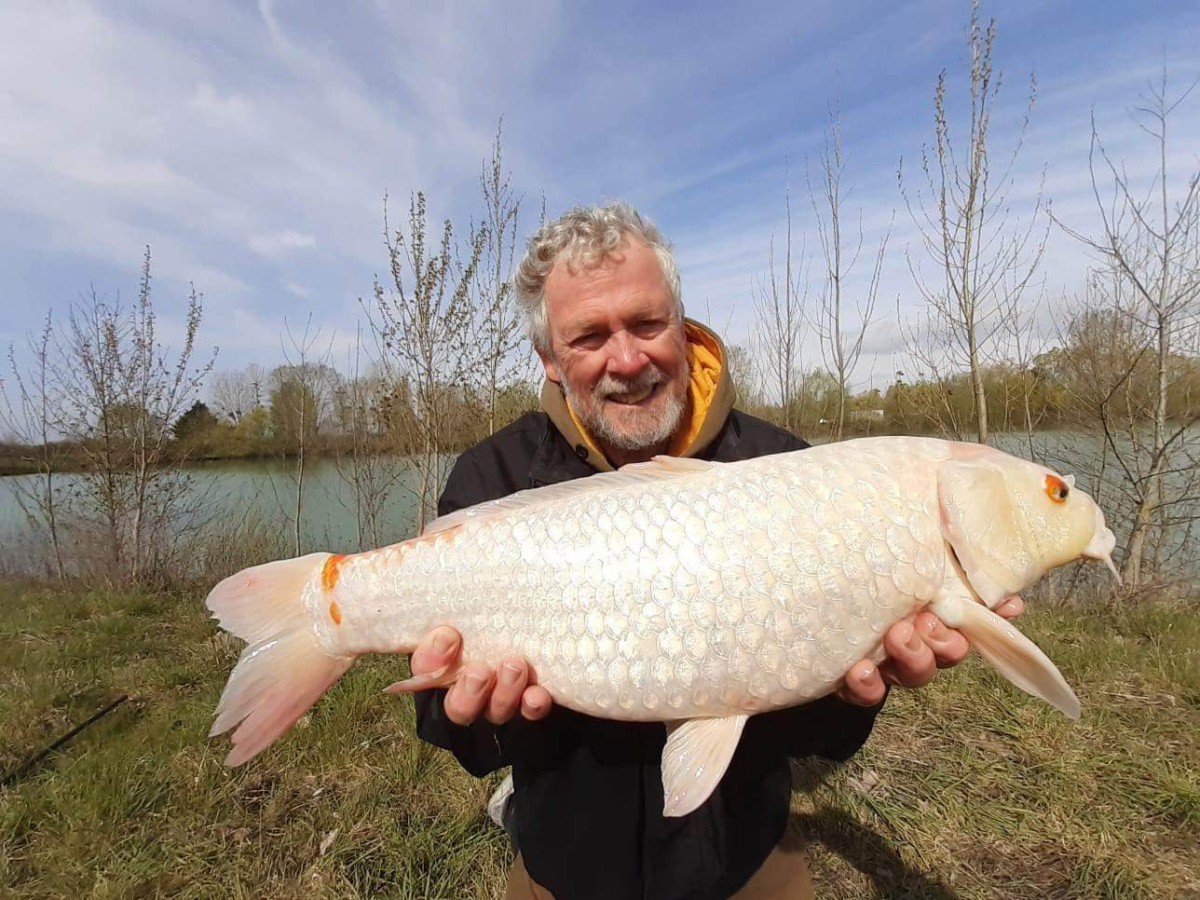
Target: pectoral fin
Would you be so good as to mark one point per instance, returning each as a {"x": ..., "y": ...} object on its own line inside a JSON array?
[
  {"x": 697, "y": 754},
  {"x": 1014, "y": 656}
]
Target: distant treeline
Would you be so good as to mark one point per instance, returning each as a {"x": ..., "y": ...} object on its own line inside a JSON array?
[{"x": 257, "y": 414}]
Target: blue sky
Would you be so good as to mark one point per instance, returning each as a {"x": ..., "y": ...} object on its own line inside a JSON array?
[{"x": 251, "y": 145}]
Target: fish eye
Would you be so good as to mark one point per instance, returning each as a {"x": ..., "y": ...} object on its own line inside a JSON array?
[{"x": 1057, "y": 489}]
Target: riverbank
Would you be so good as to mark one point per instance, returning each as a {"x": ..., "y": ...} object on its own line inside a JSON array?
[
  {"x": 16, "y": 459},
  {"x": 70, "y": 459},
  {"x": 967, "y": 788}
]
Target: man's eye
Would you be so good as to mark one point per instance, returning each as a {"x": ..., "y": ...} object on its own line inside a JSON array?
[
  {"x": 649, "y": 329},
  {"x": 589, "y": 341}
]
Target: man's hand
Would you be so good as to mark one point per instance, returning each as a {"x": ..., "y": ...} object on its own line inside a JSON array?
[
  {"x": 496, "y": 694},
  {"x": 916, "y": 648}
]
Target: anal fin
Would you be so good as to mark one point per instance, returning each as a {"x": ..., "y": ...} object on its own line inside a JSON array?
[{"x": 695, "y": 758}]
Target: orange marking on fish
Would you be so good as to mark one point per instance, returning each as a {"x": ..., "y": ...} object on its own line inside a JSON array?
[
  {"x": 1057, "y": 489},
  {"x": 335, "y": 612},
  {"x": 331, "y": 571}
]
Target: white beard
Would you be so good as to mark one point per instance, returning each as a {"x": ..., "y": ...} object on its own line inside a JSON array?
[{"x": 645, "y": 427}]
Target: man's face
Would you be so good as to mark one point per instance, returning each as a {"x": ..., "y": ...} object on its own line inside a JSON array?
[{"x": 617, "y": 347}]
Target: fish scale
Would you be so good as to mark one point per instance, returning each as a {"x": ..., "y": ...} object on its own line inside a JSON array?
[{"x": 785, "y": 555}]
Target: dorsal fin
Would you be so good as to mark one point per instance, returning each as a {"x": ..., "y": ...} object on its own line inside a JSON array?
[
  {"x": 681, "y": 465},
  {"x": 660, "y": 468}
]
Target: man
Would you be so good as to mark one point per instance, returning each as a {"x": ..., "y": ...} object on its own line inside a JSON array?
[{"x": 627, "y": 377}]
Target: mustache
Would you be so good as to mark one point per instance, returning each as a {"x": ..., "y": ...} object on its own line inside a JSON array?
[{"x": 608, "y": 385}]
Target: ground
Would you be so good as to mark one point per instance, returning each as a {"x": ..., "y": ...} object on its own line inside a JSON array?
[{"x": 966, "y": 789}]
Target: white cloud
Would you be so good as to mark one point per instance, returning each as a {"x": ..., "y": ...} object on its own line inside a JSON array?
[
  {"x": 280, "y": 244},
  {"x": 251, "y": 148},
  {"x": 120, "y": 134}
]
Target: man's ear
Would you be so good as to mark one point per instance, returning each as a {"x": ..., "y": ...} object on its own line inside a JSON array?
[{"x": 549, "y": 365}]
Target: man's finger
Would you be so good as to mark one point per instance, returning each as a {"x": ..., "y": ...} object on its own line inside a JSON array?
[
  {"x": 949, "y": 646},
  {"x": 863, "y": 685},
  {"x": 469, "y": 695},
  {"x": 910, "y": 662},
  {"x": 536, "y": 703},
  {"x": 438, "y": 649},
  {"x": 1011, "y": 607},
  {"x": 511, "y": 678}
]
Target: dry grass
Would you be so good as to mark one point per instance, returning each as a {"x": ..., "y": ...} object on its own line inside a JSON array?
[
  {"x": 967, "y": 789},
  {"x": 141, "y": 804}
]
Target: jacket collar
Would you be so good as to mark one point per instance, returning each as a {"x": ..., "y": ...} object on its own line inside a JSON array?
[
  {"x": 711, "y": 391},
  {"x": 557, "y": 460}
]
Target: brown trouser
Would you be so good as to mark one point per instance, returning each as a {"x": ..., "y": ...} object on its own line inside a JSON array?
[{"x": 784, "y": 874}]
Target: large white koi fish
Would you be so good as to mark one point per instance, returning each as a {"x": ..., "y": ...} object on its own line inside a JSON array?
[{"x": 688, "y": 592}]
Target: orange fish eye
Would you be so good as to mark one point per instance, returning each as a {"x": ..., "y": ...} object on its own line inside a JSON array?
[{"x": 1057, "y": 489}]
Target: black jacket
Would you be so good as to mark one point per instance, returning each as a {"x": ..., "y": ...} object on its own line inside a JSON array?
[{"x": 589, "y": 800}]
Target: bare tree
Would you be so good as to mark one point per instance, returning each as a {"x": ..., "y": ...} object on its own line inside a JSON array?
[
  {"x": 778, "y": 323},
  {"x": 301, "y": 392},
  {"x": 1150, "y": 253},
  {"x": 962, "y": 214},
  {"x": 815, "y": 400},
  {"x": 120, "y": 390},
  {"x": 372, "y": 467},
  {"x": 235, "y": 394},
  {"x": 31, "y": 422},
  {"x": 500, "y": 327},
  {"x": 743, "y": 371},
  {"x": 423, "y": 322},
  {"x": 932, "y": 384},
  {"x": 1019, "y": 383},
  {"x": 841, "y": 342}
]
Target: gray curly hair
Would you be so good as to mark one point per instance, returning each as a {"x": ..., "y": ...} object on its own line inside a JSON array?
[{"x": 583, "y": 236}]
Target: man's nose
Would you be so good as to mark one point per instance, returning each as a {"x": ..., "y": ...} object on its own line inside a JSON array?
[{"x": 627, "y": 358}]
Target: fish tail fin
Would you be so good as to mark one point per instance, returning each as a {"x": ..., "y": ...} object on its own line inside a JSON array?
[
  {"x": 1013, "y": 655},
  {"x": 282, "y": 671}
]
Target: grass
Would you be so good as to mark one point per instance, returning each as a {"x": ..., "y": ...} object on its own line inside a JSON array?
[
  {"x": 969, "y": 789},
  {"x": 966, "y": 789},
  {"x": 140, "y": 803}
]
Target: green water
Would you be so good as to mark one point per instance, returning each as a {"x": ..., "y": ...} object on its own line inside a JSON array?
[
  {"x": 259, "y": 491},
  {"x": 265, "y": 492}
]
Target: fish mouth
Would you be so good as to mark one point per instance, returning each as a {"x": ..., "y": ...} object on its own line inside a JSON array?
[{"x": 1102, "y": 544}]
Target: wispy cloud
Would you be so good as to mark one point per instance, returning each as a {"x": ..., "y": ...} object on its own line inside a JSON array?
[
  {"x": 280, "y": 244},
  {"x": 251, "y": 147}
]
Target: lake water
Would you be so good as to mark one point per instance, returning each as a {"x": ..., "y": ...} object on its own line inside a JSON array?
[
  {"x": 264, "y": 492},
  {"x": 259, "y": 492}
]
